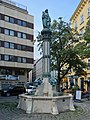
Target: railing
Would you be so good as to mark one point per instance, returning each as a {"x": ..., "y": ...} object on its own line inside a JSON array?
[{"x": 15, "y": 4}]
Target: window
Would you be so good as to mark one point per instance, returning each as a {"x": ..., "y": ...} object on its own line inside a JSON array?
[
  {"x": 19, "y": 34},
  {"x": 12, "y": 32},
  {"x": 76, "y": 38},
  {"x": 3, "y": 71},
  {"x": 19, "y": 59},
  {"x": 6, "y": 44},
  {"x": 6, "y": 31},
  {"x": 6, "y": 57},
  {"x": 19, "y": 72},
  {"x": 11, "y": 58},
  {"x": 23, "y": 23},
  {"x": 6, "y": 71},
  {"x": 89, "y": 12},
  {"x": 24, "y": 35},
  {"x": 19, "y": 47},
  {"x": 11, "y": 20},
  {"x": 75, "y": 25},
  {"x": 23, "y": 47},
  {"x": 19, "y": 22},
  {"x": 82, "y": 32},
  {"x": 24, "y": 60},
  {"x": 12, "y": 45},
  {"x": 81, "y": 19},
  {"x": 6, "y": 18}
]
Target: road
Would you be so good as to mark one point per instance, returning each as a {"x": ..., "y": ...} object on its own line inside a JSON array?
[{"x": 9, "y": 111}]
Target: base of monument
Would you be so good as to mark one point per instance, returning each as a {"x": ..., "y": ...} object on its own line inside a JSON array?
[{"x": 44, "y": 104}]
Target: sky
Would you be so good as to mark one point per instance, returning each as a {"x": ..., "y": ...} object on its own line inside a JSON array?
[{"x": 56, "y": 8}]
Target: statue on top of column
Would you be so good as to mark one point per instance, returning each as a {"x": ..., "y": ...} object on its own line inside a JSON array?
[{"x": 46, "y": 20}]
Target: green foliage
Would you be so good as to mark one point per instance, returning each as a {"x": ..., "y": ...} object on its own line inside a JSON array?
[
  {"x": 87, "y": 32},
  {"x": 63, "y": 50},
  {"x": 40, "y": 44}
]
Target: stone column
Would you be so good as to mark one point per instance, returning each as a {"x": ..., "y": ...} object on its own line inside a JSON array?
[
  {"x": 45, "y": 88},
  {"x": 46, "y": 37}
]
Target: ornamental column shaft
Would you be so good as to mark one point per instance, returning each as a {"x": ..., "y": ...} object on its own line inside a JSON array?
[{"x": 46, "y": 36}]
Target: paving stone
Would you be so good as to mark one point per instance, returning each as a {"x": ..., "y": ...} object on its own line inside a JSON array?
[{"x": 9, "y": 111}]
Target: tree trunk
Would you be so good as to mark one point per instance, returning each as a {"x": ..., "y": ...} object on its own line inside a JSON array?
[{"x": 58, "y": 81}]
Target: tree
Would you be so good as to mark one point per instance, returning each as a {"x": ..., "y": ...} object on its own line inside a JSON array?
[
  {"x": 63, "y": 50},
  {"x": 64, "y": 53}
]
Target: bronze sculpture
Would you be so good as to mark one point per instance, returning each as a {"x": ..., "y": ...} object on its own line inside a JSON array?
[{"x": 46, "y": 20}]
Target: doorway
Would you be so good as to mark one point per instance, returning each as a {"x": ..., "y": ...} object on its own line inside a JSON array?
[{"x": 88, "y": 86}]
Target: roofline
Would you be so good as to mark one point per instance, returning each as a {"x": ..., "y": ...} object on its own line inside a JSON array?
[
  {"x": 77, "y": 9},
  {"x": 38, "y": 60},
  {"x": 18, "y": 5}
]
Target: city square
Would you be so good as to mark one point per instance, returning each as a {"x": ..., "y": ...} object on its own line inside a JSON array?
[{"x": 44, "y": 60}]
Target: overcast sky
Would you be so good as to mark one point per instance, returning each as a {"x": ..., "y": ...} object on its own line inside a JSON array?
[{"x": 56, "y": 8}]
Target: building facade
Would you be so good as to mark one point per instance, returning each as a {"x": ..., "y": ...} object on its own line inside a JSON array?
[
  {"x": 81, "y": 15},
  {"x": 38, "y": 69},
  {"x": 16, "y": 43},
  {"x": 37, "y": 72},
  {"x": 79, "y": 20}
]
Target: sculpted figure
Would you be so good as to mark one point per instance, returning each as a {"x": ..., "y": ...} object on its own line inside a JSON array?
[{"x": 46, "y": 20}]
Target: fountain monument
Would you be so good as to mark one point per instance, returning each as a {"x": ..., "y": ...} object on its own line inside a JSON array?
[{"x": 43, "y": 101}]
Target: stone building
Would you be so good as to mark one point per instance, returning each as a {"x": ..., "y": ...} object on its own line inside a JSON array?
[
  {"x": 79, "y": 20},
  {"x": 16, "y": 43}
]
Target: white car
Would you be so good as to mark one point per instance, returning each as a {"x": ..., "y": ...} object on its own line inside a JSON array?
[{"x": 31, "y": 89}]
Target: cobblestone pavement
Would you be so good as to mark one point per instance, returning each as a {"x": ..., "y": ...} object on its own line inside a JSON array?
[{"x": 9, "y": 111}]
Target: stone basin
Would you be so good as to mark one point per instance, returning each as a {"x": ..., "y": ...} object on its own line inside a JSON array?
[{"x": 46, "y": 104}]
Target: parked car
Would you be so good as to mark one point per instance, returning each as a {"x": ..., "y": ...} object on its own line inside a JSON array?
[
  {"x": 31, "y": 89},
  {"x": 13, "y": 91},
  {"x": 28, "y": 84}
]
